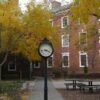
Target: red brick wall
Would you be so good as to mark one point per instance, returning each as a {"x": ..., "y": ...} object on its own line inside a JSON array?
[{"x": 74, "y": 30}]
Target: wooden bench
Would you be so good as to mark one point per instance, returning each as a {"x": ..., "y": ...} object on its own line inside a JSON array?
[
  {"x": 90, "y": 88},
  {"x": 74, "y": 85}
]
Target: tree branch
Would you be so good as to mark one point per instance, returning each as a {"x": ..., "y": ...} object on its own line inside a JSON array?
[
  {"x": 94, "y": 14},
  {"x": 5, "y": 58}
]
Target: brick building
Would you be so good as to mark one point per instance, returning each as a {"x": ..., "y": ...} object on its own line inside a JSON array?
[
  {"x": 75, "y": 50},
  {"x": 70, "y": 32}
]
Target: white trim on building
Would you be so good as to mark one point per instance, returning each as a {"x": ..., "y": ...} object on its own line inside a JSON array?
[
  {"x": 81, "y": 39},
  {"x": 99, "y": 53},
  {"x": 51, "y": 21},
  {"x": 99, "y": 19},
  {"x": 84, "y": 54},
  {"x": 65, "y": 59},
  {"x": 36, "y": 64},
  {"x": 12, "y": 65},
  {"x": 78, "y": 21},
  {"x": 66, "y": 23},
  {"x": 99, "y": 34},
  {"x": 65, "y": 40}
]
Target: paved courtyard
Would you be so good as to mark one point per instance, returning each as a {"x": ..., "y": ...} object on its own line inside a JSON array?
[
  {"x": 57, "y": 91},
  {"x": 75, "y": 94},
  {"x": 38, "y": 91}
]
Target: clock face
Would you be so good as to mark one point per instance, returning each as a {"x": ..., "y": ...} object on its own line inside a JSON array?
[{"x": 45, "y": 50}]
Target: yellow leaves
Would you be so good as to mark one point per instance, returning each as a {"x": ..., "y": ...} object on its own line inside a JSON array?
[
  {"x": 3, "y": 41},
  {"x": 22, "y": 34},
  {"x": 29, "y": 49},
  {"x": 37, "y": 22},
  {"x": 74, "y": 12},
  {"x": 85, "y": 9},
  {"x": 9, "y": 7}
]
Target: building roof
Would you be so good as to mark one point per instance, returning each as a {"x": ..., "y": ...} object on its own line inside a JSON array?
[{"x": 61, "y": 8}]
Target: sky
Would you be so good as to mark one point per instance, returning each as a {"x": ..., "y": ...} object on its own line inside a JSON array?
[
  {"x": 25, "y": 1},
  {"x": 22, "y": 3},
  {"x": 58, "y": 0}
]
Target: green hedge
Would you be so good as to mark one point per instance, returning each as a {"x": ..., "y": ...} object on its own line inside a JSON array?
[
  {"x": 56, "y": 73},
  {"x": 6, "y": 86}
]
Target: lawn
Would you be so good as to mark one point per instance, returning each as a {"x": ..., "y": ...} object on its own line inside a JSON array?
[{"x": 11, "y": 90}]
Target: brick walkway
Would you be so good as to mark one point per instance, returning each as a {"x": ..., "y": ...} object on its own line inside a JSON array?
[{"x": 38, "y": 91}]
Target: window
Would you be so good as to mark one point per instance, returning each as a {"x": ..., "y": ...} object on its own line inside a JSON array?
[
  {"x": 99, "y": 34},
  {"x": 78, "y": 21},
  {"x": 65, "y": 40},
  {"x": 65, "y": 59},
  {"x": 50, "y": 62},
  {"x": 51, "y": 22},
  {"x": 36, "y": 64},
  {"x": 12, "y": 66},
  {"x": 99, "y": 19},
  {"x": 83, "y": 38},
  {"x": 83, "y": 59},
  {"x": 64, "y": 21}
]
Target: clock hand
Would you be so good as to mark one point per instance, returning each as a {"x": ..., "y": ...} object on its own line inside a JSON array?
[
  {"x": 42, "y": 51},
  {"x": 47, "y": 50}
]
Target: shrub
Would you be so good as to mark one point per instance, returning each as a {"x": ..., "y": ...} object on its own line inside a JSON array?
[
  {"x": 57, "y": 73},
  {"x": 6, "y": 86},
  {"x": 85, "y": 70}
]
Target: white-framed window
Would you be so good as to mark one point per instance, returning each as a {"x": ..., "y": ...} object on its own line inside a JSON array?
[
  {"x": 64, "y": 21},
  {"x": 99, "y": 52},
  {"x": 83, "y": 59},
  {"x": 65, "y": 59},
  {"x": 51, "y": 22},
  {"x": 36, "y": 64},
  {"x": 78, "y": 21},
  {"x": 12, "y": 66},
  {"x": 65, "y": 40},
  {"x": 99, "y": 19},
  {"x": 83, "y": 38},
  {"x": 99, "y": 34},
  {"x": 50, "y": 62},
  {"x": 99, "y": 55}
]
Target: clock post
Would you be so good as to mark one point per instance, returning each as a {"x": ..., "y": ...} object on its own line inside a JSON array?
[{"x": 45, "y": 50}]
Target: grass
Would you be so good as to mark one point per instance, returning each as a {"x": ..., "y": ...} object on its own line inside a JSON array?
[
  {"x": 10, "y": 90},
  {"x": 7, "y": 86}
]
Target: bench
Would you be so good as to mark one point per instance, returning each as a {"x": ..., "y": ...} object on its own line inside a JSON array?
[
  {"x": 90, "y": 88},
  {"x": 74, "y": 85}
]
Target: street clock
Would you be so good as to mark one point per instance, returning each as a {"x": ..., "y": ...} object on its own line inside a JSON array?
[{"x": 45, "y": 48}]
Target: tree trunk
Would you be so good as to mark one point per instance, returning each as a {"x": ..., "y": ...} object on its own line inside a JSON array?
[
  {"x": 2, "y": 63},
  {"x": 94, "y": 51},
  {"x": 30, "y": 69}
]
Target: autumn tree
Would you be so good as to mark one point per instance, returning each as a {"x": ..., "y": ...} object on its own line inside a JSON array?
[
  {"x": 92, "y": 45},
  {"x": 83, "y": 9},
  {"x": 11, "y": 28},
  {"x": 21, "y": 33},
  {"x": 38, "y": 26}
]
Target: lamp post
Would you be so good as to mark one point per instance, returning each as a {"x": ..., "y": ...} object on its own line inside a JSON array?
[{"x": 45, "y": 50}]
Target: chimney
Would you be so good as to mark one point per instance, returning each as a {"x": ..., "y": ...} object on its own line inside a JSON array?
[
  {"x": 45, "y": 1},
  {"x": 55, "y": 5}
]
